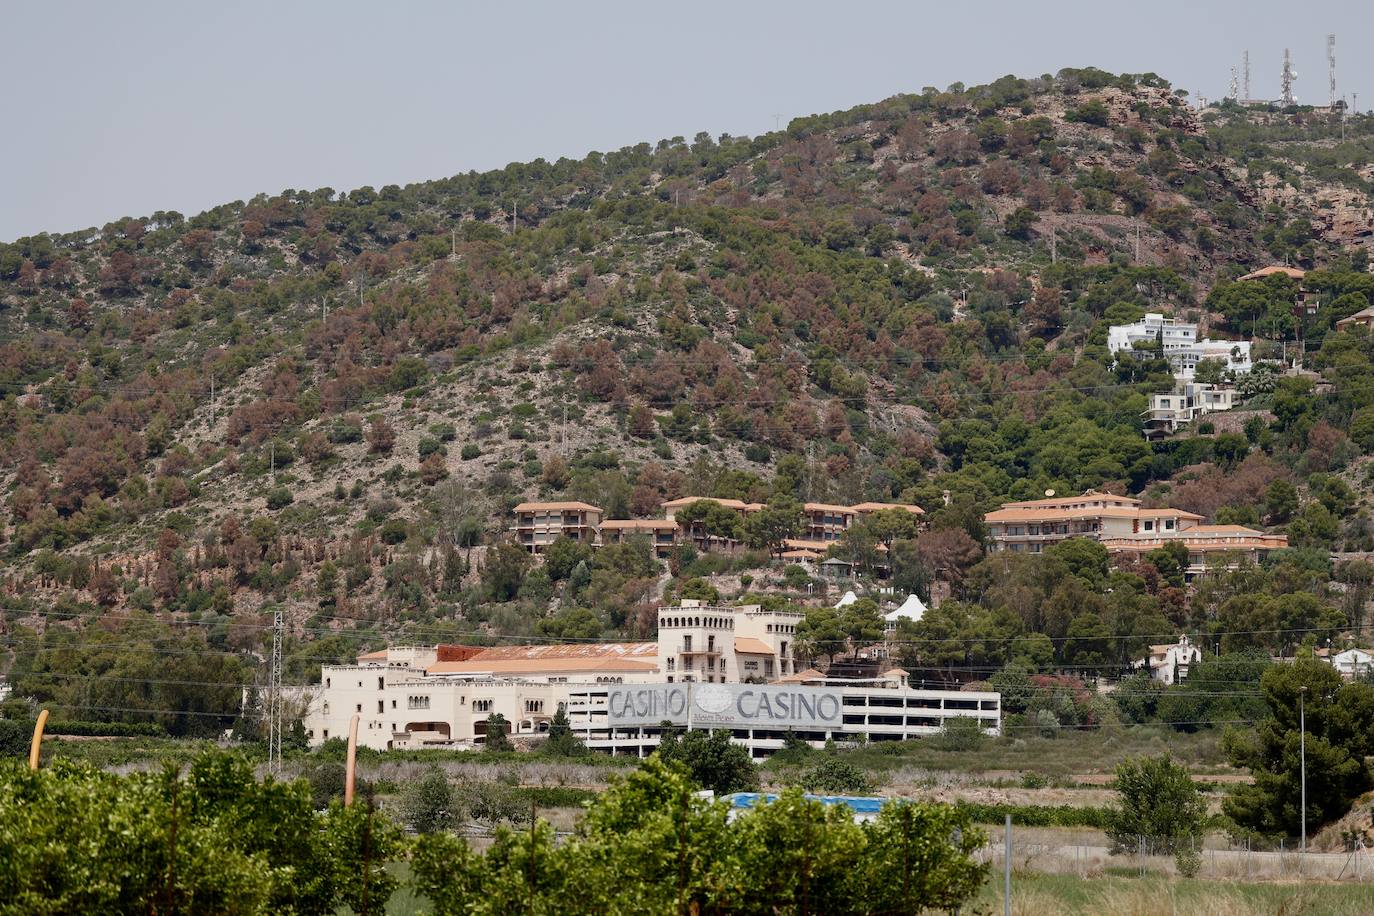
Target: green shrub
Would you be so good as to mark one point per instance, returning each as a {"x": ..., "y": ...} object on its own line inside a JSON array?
[
  {"x": 836, "y": 776},
  {"x": 279, "y": 498},
  {"x": 428, "y": 803},
  {"x": 15, "y": 737},
  {"x": 960, "y": 733},
  {"x": 346, "y": 429},
  {"x": 470, "y": 451}
]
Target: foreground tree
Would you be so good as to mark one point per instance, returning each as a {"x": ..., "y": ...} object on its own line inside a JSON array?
[
  {"x": 649, "y": 844},
  {"x": 1340, "y": 740},
  {"x": 712, "y": 760},
  {"x": 74, "y": 839},
  {"x": 1158, "y": 801},
  {"x": 428, "y": 802}
]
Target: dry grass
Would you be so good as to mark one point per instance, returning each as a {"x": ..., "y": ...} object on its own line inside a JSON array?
[{"x": 1062, "y": 895}]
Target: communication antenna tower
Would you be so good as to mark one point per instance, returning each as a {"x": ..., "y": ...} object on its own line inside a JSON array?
[
  {"x": 1331, "y": 66},
  {"x": 1286, "y": 79},
  {"x": 274, "y": 698},
  {"x": 1246, "y": 65},
  {"x": 1235, "y": 85}
]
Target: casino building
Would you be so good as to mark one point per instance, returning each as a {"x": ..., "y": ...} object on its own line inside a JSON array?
[{"x": 711, "y": 667}]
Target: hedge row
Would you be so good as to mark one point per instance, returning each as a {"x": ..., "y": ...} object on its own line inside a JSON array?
[
  {"x": 1039, "y": 815},
  {"x": 106, "y": 729}
]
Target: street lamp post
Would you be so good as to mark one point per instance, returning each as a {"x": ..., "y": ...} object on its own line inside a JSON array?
[{"x": 1302, "y": 766}]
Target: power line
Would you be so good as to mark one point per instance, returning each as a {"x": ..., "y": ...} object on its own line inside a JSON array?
[
  {"x": 153, "y": 710},
  {"x": 442, "y": 632}
]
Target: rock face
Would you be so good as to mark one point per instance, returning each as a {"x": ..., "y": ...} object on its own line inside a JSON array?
[{"x": 1347, "y": 224}]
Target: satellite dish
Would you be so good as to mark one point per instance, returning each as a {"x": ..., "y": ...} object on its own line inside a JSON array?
[{"x": 1049, "y": 492}]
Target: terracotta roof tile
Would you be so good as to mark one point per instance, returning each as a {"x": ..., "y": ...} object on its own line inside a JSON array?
[
  {"x": 827, "y": 507},
  {"x": 1275, "y": 269},
  {"x": 879, "y": 507},
  {"x": 556, "y": 507}
]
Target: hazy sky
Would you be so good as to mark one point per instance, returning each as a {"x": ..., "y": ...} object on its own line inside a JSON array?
[{"x": 121, "y": 109}]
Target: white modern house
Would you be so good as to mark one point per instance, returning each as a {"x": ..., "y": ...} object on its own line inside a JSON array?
[
  {"x": 1168, "y": 664},
  {"x": 1180, "y": 343},
  {"x": 1170, "y": 412},
  {"x": 1353, "y": 663}
]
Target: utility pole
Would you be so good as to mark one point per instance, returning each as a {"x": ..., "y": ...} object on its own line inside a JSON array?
[
  {"x": 1054, "y": 239},
  {"x": 274, "y": 698},
  {"x": 455, "y": 242},
  {"x": 1006, "y": 870},
  {"x": 1137, "y": 239},
  {"x": 212, "y": 399},
  {"x": 512, "y": 217},
  {"x": 1302, "y": 758}
]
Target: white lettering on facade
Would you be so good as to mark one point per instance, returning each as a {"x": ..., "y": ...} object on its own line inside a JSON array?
[{"x": 724, "y": 705}]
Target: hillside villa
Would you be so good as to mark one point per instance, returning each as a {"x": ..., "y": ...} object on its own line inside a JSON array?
[
  {"x": 1123, "y": 526},
  {"x": 1179, "y": 343}
]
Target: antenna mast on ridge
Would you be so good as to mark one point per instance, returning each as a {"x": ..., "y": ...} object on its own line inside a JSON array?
[
  {"x": 1286, "y": 79},
  {"x": 1331, "y": 66},
  {"x": 1246, "y": 60}
]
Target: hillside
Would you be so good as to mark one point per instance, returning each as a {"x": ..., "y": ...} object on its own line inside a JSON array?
[{"x": 310, "y": 399}]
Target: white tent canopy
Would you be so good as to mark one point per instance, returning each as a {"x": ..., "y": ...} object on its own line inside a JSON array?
[
  {"x": 912, "y": 609},
  {"x": 848, "y": 599}
]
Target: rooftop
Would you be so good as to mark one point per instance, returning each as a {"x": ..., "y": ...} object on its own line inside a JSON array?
[
  {"x": 1362, "y": 313},
  {"x": 1275, "y": 269},
  {"x": 1087, "y": 498},
  {"x": 879, "y": 507},
  {"x": 738, "y": 504},
  {"x": 556, "y": 507},
  {"x": 654, "y": 524},
  {"x": 826, "y": 507},
  {"x": 589, "y": 658}
]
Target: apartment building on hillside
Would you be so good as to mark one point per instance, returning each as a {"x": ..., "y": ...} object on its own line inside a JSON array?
[
  {"x": 662, "y": 532},
  {"x": 824, "y": 522},
  {"x": 1122, "y": 525},
  {"x": 1209, "y": 546},
  {"x": 537, "y": 525}
]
